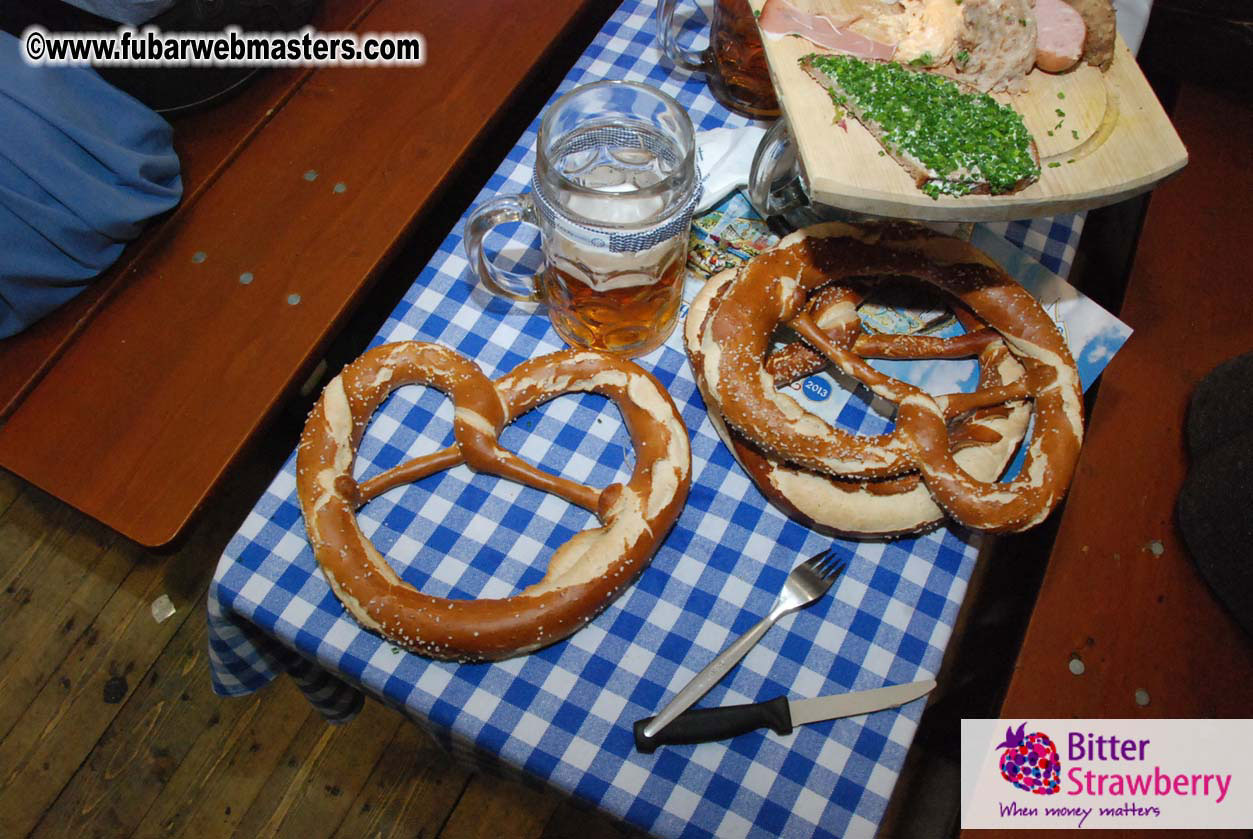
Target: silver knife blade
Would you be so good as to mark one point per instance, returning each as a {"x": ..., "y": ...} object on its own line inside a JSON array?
[{"x": 805, "y": 711}]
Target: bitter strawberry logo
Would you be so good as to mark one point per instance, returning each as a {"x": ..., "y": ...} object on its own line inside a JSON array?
[{"x": 1030, "y": 761}]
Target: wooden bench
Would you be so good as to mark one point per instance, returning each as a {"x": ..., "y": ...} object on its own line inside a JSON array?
[
  {"x": 1088, "y": 586},
  {"x": 132, "y": 401},
  {"x": 1124, "y": 626},
  {"x": 1121, "y": 593}
]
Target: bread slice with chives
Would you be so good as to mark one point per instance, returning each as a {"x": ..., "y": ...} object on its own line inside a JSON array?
[{"x": 951, "y": 138}]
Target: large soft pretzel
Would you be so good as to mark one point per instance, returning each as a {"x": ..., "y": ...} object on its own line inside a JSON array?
[
  {"x": 584, "y": 575},
  {"x": 773, "y": 289},
  {"x": 983, "y": 440}
]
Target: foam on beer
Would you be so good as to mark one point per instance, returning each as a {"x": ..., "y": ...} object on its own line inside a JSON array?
[{"x": 598, "y": 267}]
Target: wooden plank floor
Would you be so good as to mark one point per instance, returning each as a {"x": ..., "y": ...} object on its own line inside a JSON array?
[{"x": 109, "y": 728}]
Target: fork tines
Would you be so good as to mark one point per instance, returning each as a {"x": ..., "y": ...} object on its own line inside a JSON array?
[{"x": 827, "y": 564}]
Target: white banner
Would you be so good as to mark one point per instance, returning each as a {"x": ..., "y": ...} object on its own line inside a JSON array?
[{"x": 1138, "y": 774}]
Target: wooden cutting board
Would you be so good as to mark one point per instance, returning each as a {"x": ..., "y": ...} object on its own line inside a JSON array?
[{"x": 1102, "y": 137}]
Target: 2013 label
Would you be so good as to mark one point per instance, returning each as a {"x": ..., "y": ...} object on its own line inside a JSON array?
[{"x": 816, "y": 389}]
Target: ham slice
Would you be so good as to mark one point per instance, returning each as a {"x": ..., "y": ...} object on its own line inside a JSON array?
[
  {"x": 779, "y": 18},
  {"x": 1060, "y": 35}
]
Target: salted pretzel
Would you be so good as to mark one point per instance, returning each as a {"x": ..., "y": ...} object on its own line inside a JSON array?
[
  {"x": 983, "y": 441},
  {"x": 584, "y": 575},
  {"x": 773, "y": 289}
]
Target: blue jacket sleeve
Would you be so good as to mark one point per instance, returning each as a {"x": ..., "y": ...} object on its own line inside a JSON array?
[{"x": 82, "y": 167}]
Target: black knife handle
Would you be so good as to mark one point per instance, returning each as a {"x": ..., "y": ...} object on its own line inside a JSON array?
[{"x": 706, "y": 724}]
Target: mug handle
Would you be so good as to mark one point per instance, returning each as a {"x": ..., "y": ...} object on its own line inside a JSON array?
[
  {"x": 690, "y": 60},
  {"x": 506, "y": 208},
  {"x": 776, "y": 181},
  {"x": 778, "y": 186}
]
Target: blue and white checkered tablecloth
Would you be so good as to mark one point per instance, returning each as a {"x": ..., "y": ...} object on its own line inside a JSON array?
[{"x": 564, "y": 715}]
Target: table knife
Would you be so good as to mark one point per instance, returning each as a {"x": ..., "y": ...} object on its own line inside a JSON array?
[{"x": 779, "y": 714}]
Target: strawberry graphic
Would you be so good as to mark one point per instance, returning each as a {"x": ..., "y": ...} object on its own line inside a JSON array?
[{"x": 1030, "y": 761}]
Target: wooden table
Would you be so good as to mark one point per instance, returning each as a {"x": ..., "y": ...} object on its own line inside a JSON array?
[{"x": 155, "y": 391}]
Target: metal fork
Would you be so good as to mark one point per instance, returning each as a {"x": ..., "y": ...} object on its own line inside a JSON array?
[{"x": 807, "y": 582}]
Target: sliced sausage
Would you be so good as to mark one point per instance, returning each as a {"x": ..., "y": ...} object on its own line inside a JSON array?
[{"x": 1060, "y": 35}]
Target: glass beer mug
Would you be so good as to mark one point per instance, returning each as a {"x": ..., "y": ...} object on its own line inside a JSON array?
[
  {"x": 613, "y": 192},
  {"x": 734, "y": 61}
]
